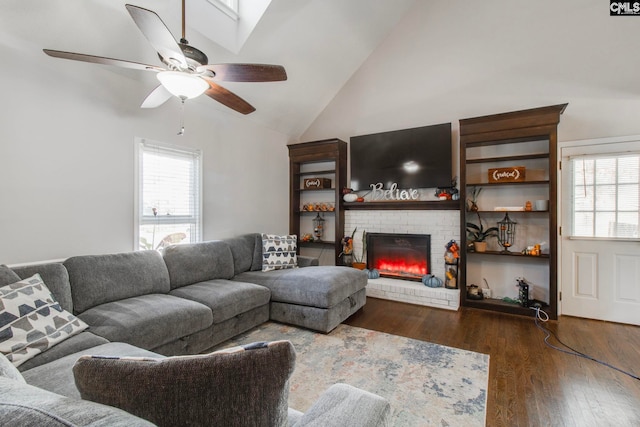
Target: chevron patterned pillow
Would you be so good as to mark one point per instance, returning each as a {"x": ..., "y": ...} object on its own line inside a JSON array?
[
  {"x": 279, "y": 252},
  {"x": 31, "y": 320}
]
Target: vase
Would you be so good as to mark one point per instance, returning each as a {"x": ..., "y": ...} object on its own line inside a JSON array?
[
  {"x": 480, "y": 246},
  {"x": 359, "y": 265}
]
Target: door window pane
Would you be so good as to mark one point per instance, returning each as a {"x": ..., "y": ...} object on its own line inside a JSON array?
[{"x": 605, "y": 195}]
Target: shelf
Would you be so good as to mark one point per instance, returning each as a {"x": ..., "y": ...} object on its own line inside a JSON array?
[
  {"x": 511, "y": 212},
  {"x": 315, "y": 212},
  {"x": 318, "y": 159},
  {"x": 509, "y": 158},
  {"x": 493, "y": 184},
  {"x": 526, "y": 138},
  {"x": 315, "y": 189},
  {"x": 406, "y": 205},
  {"x": 515, "y": 254},
  {"x": 322, "y": 172},
  {"x": 503, "y": 306},
  {"x": 316, "y": 244}
]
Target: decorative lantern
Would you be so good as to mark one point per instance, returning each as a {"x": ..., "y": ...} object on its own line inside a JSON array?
[
  {"x": 506, "y": 232},
  {"x": 318, "y": 227}
]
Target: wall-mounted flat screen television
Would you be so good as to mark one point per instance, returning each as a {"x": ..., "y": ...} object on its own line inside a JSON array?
[{"x": 413, "y": 158}]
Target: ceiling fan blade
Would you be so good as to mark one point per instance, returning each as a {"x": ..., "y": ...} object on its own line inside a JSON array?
[
  {"x": 101, "y": 60},
  {"x": 246, "y": 72},
  {"x": 228, "y": 98},
  {"x": 156, "y": 98},
  {"x": 158, "y": 35}
]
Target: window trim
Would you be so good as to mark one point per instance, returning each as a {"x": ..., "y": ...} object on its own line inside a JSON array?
[
  {"x": 232, "y": 12},
  {"x": 138, "y": 217}
]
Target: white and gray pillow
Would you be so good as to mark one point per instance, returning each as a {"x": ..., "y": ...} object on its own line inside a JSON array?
[
  {"x": 279, "y": 252},
  {"x": 32, "y": 321}
]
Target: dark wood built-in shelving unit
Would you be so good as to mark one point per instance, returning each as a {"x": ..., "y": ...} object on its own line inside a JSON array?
[
  {"x": 301, "y": 157},
  {"x": 527, "y": 126}
]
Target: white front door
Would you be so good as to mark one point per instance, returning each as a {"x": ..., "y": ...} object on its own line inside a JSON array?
[{"x": 600, "y": 241}]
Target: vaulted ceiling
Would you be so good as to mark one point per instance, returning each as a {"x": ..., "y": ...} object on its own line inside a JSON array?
[{"x": 321, "y": 43}]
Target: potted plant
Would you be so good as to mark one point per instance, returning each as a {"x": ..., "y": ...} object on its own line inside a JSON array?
[
  {"x": 472, "y": 205},
  {"x": 347, "y": 250},
  {"x": 477, "y": 234}
]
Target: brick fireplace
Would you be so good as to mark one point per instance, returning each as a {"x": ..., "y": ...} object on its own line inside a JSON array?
[{"x": 440, "y": 225}]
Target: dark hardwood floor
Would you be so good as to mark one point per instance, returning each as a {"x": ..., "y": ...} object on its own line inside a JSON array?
[{"x": 530, "y": 384}]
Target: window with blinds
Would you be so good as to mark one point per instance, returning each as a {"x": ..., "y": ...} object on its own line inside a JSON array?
[
  {"x": 169, "y": 202},
  {"x": 605, "y": 195}
]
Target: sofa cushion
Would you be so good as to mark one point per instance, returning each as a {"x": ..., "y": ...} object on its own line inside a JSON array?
[
  {"x": 225, "y": 298},
  {"x": 256, "y": 263},
  {"x": 7, "y": 276},
  {"x": 323, "y": 286},
  {"x": 7, "y": 370},
  {"x": 279, "y": 252},
  {"x": 98, "y": 279},
  {"x": 197, "y": 262},
  {"x": 148, "y": 321},
  {"x": 241, "y": 386},
  {"x": 25, "y": 405},
  {"x": 55, "y": 276},
  {"x": 57, "y": 376},
  {"x": 31, "y": 320},
  {"x": 78, "y": 342},
  {"x": 243, "y": 250}
]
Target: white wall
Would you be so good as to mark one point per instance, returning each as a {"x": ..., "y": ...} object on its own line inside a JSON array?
[
  {"x": 449, "y": 60},
  {"x": 67, "y": 147}
]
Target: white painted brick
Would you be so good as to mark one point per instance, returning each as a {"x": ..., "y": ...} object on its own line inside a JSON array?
[
  {"x": 413, "y": 292},
  {"x": 441, "y": 225}
]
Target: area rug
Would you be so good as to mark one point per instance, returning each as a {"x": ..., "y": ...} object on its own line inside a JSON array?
[{"x": 427, "y": 384}]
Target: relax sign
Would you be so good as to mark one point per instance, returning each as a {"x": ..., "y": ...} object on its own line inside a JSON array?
[{"x": 392, "y": 193}]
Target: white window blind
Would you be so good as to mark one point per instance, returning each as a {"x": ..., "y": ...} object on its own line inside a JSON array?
[
  {"x": 169, "y": 195},
  {"x": 606, "y": 195}
]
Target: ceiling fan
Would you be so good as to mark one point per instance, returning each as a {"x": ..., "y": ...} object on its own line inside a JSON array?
[{"x": 187, "y": 73}]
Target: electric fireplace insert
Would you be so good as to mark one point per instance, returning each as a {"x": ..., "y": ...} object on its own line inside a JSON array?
[{"x": 399, "y": 256}]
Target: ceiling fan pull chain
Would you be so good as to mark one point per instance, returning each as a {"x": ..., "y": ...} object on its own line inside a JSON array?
[{"x": 181, "y": 132}]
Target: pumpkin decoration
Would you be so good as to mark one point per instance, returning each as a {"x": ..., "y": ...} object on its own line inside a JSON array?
[
  {"x": 373, "y": 273},
  {"x": 431, "y": 281}
]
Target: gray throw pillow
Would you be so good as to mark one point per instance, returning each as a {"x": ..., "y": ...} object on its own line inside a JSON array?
[
  {"x": 241, "y": 386},
  {"x": 7, "y": 370}
]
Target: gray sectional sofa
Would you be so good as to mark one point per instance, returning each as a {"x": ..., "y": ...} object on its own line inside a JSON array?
[{"x": 184, "y": 301}]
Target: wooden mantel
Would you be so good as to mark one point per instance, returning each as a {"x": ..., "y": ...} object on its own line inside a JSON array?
[{"x": 449, "y": 205}]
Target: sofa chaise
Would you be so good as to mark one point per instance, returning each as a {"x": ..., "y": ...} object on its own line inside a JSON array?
[{"x": 184, "y": 301}]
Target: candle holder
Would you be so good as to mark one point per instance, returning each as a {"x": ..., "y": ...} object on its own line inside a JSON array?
[
  {"x": 506, "y": 232},
  {"x": 318, "y": 228}
]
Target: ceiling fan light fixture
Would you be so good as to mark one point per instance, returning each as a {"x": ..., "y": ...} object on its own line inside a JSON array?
[{"x": 183, "y": 85}]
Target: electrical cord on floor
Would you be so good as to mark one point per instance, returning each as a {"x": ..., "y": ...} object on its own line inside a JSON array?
[{"x": 541, "y": 316}]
